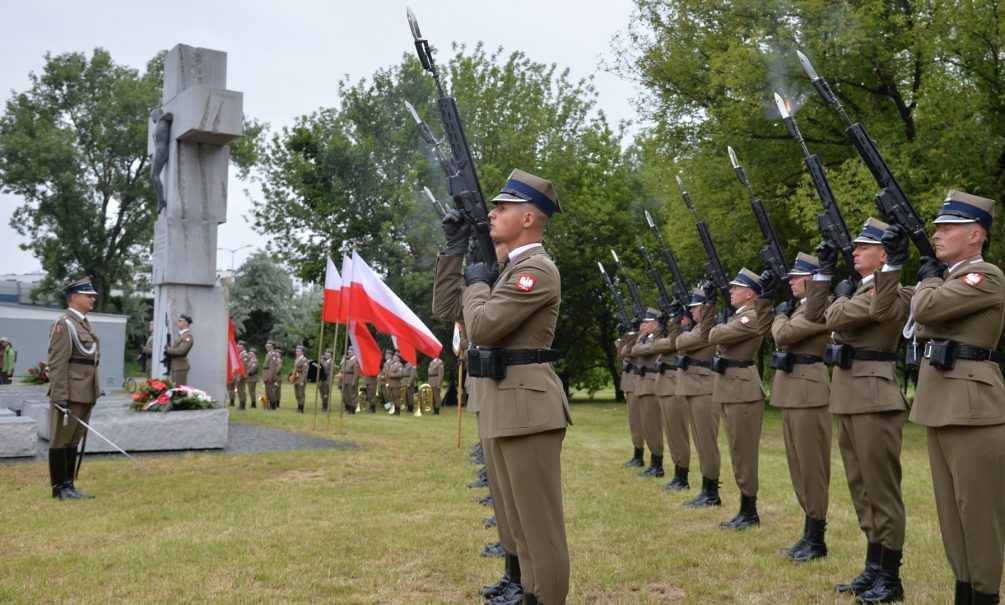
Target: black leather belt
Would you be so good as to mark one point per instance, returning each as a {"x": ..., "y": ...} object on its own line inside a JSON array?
[
  {"x": 867, "y": 355},
  {"x": 972, "y": 353},
  {"x": 83, "y": 362},
  {"x": 807, "y": 359},
  {"x": 691, "y": 361},
  {"x": 732, "y": 363},
  {"x": 663, "y": 366},
  {"x": 643, "y": 370},
  {"x": 525, "y": 356}
]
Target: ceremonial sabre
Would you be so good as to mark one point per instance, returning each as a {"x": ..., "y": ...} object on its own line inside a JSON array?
[{"x": 91, "y": 429}]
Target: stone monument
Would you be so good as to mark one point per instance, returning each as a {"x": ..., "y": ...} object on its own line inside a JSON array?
[{"x": 204, "y": 118}]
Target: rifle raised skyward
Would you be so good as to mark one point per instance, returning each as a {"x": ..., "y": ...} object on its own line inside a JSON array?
[{"x": 714, "y": 270}]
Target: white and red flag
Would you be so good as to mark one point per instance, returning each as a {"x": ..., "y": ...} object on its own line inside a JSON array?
[
  {"x": 331, "y": 307},
  {"x": 367, "y": 351},
  {"x": 234, "y": 364},
  {"x": 370, "y": 300}
]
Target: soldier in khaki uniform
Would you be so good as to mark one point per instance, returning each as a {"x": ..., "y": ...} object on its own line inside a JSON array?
[
  {"x": 801, "y": 389},
  {"x": 178, "y": 352},
  {"x": 960, "y": 396},
  {"x": 370, "y": 384},
  {"x": 349, "y": 376},
  {"x": 239, "y": 379},
  {"x": 434, "y": 378},
  {"x": 624, "y": 345},
  {"x": 737, "y": 387},
  {"x": 327, "y": 365},
  {"x": 674, "y": 411},
  {"x": 251, "y": 369},
  {"x": 524, "y": 413},
  {"x": 868, "y": 405},
  {"x": 148, "y": 350},
  {"x": 694, "y": 384},
  {"x": 448, "y": 285},
  {"x": 645, "y": 392},
  {"x": 73, "y": 385},
  {"x": 408, "y": 382},
  {"x": 301, "y": 366},
  {"x": 273, "y": 367},
  {"x": 393, "y": 372}
]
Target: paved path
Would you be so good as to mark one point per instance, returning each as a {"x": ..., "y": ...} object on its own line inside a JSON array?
[{"x": 241, "y": 439}]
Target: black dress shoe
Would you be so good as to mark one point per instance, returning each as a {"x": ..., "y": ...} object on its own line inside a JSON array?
[
  {"x": 813, "y": 544},
  {"x": 493, "y": 549},
  {"x": 864, "y": 581},
  {"x": 655, "y": 469},
  {"x": 511, "y": 595},
  {"x": 486, "y": 501},
  {"x": 679, "y": 481},
  {"x": 489, "y": 522},
  {"x": 637, "y": 460},
  {"x": 494, "y": 590},
  {"x": 747, "y": 517},
  {"x": 478, "y": 484},
  {"x": 887, "y": 588},
  {"x": 709, "y": 495}
]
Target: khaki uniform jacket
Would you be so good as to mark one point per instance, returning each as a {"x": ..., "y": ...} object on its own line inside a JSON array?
[
  {"x": 623, "y": 346},
  {"x": 73, "y": 339},
  {"x": 645, "y": 357},
  {"x": 350, "y": 372},
  {"x": 407, "y": 374},
  {"x": 666, "y": 348},
  {"x": 807, "y": 385},
  {"x": 968, "y": 306},
  {"x": 696, "y": 380},
  {"x": 250, "y": 362},
  {"x": 148, "y": 350},
  {"x": 273, "y": 366},
  {"x": 435, "y": 374},
  {"x": 519, "y": 311},
  {"x": 868, "y": 386},
  {"x": 326, "y": 365},
  {"x": 448, "y": 283},
  {"x": 393, "y": 371},
  {"x": 179, "y": 351},
  {"x": 301, "y": 365},
  {"x": 739, "y": 339}
]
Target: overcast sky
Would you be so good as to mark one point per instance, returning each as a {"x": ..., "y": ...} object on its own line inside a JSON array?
[{"x": 287, "y": 57}]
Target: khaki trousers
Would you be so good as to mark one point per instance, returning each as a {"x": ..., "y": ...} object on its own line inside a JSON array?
[
  {"x": 241, "y": 396},
  {"x": 498, "y": 501},
  {"x": 300, "y": 390},
  {"x": 179, "y": 377},
  {"x": 530, "y": 471},
  {"x": 968, "y": 474},
  {"x": 73, "y": 432},
  {"x": 371, "y": 391},
  {"x": 252, "y": 386},
  {"x": 676, "y": 417},
  {"x": 705, "y": 429},
  {"x": 807, "y": 433},
  {"x": 652, "y": 423},
  {"x": 324, "y": 390},
  {"x": 436, "y": 397},
  {"x": 635, "y": 420},
  {"x": 743, "y": 432},
  {"x": 870, "y": 448}
]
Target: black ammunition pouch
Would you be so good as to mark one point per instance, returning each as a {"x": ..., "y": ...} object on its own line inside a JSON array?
[
  {"x": 720, "y": 364},
  {"x": 913, "y": 355},
  {"x": 781, "y": 361},
  {"x": 682, "y": 361},
  {"x": 625, "y": 366},
  {"x": 941, "y": 354},
  {"x": 487, "y": 363},
  {"x": 838, "y": 355},
  {"x": 662, "y": 366}
]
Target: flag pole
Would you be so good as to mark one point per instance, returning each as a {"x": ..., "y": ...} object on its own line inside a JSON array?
[
  {"x": 460, "y": 398},
  {"x": 345, "y": 344},
  {"x": 317, "y": 381},
  {"x": 328, "y": 414}
]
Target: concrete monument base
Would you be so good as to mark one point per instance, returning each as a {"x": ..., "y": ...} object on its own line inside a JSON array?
[{"x": 18, "y": 435}]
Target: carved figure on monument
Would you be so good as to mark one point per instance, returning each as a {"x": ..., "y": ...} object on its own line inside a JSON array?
[{"x": 162, "y": 146}]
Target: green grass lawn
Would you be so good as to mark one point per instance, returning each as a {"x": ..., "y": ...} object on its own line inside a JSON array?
[{"x": 391, "y": 521}]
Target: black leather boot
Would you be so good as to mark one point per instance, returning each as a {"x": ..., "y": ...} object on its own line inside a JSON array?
[
  {"x": 489, "y": 522},
  {"x": 964, "y": 593},
  {"x": 68, "y": 491},
  {"x": 493, "y": 549},
  {"x": 241, "y": 406},
  {"x": 801, "y": 542},
  {"x": 679, "y": 481},
  {"x": 57, "y": 470},
  {"x": 983, "y": 598},
  {"x": 530, "y": 599},
  {"x": 637, "y": 459},
  {"x": 887, "y": 588},
  {"x": 372, "y": 409},
  {"x": 814, "y": 546},
  {"x": 655, "y": 469},
  {"x": 709, "y": 495},
  {"x": 505, "y": 586},
  {"x": 747, "y": 517},
  {"x": 864, "y": 580},
  {"x": 300, "y": 408}
]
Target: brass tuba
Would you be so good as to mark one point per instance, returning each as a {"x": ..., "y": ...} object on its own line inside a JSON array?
[
  {"x": 424, "y": 400},
  {"x": 292, "y": 376},
  {"x": 262, "y": 399}
]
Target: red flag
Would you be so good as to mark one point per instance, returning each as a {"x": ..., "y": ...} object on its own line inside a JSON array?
[
  {"x": 331, "y": 307},
  {"x": 367, "y": 351},
  {"x": 372, "y": 301},
  {"x": 345, "y": 295},
  {"x": 234, "y": 365}
]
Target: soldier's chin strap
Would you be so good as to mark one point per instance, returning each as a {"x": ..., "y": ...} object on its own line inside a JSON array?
[{"x": 68, "y": 414}]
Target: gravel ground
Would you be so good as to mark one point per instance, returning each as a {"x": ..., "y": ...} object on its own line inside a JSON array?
[{"x": 241, "y": 439}]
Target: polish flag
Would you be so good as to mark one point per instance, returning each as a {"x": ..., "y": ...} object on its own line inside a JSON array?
[
  {"x": 367, "y": 351},
  {"x": 333, "y": 294},
  {"x": 234, "y": 365},
  {"x": 372, "y": 301},
  {"x": 343, "y": 315}
]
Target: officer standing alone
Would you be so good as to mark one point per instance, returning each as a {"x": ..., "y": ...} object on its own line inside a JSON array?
[
  {"x": 73, "y": 385},
  {"x": 178, "y": 352}
]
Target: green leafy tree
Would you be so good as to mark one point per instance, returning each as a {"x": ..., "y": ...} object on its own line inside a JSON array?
[
  {"x": 262, "y": 290},
  {"x": 74, "y": 148}
]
